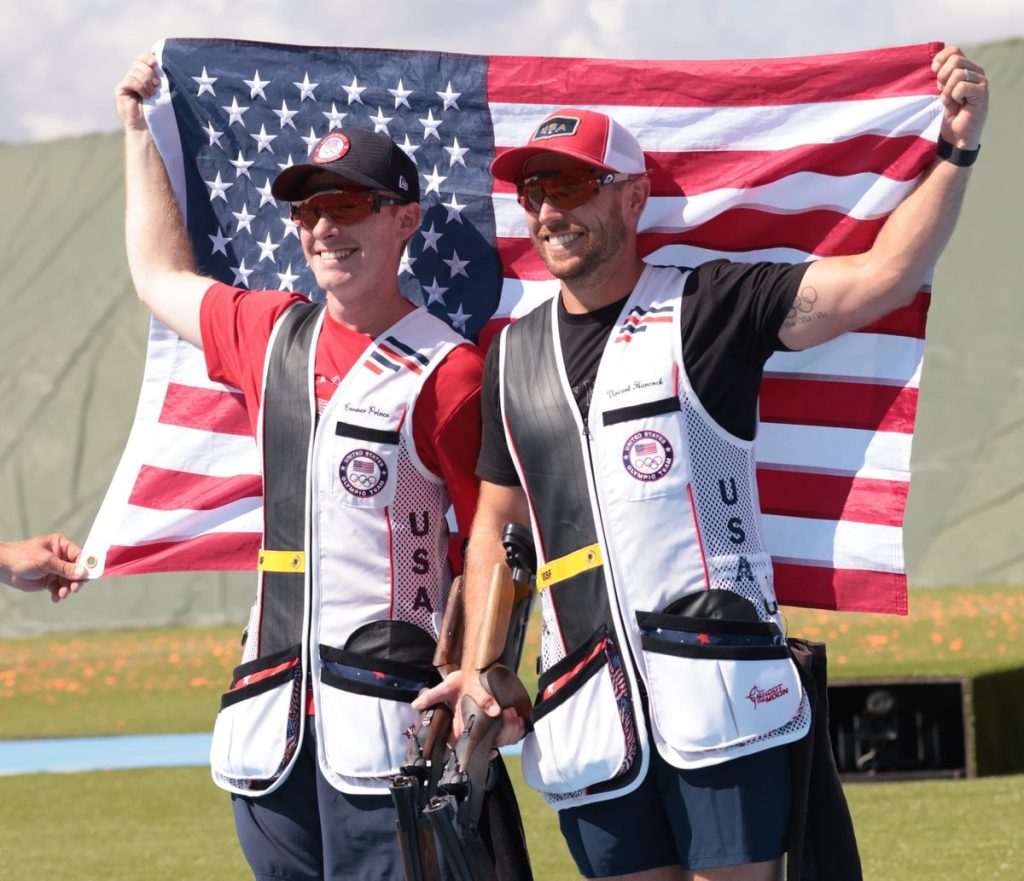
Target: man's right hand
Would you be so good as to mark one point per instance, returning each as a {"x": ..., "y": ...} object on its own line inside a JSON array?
[
  {"x": 138, "y": 84},
  {"x": 451, "y": 692}
]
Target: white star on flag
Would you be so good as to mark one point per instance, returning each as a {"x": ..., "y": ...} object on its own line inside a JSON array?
[
  {"x": 242, "y": 165},
  {"x": 213, "y": 134},
  {"x": 235, "y": 112},
  {"x": 459, "y": 318},
  {"x": 401, "y": 96},
  {"x": 432, "y": 238},
  {"x": 457, "y": 266},
  {"x": 455, "y": 153},
  {"x": 306, "y": 88},
  {"x": 355, "y": 92},
  {"x": 244, "y": 219},
  {"x": 241, "y": 274},
  {"x": 263, "y": 140},
  {"x": 266, "y": 196},
  {"x": 435, "y": 293},
  {"x": 267, "y": 249},
  {"x": 311, "y": 140},
  {"x": 291, "y": 228},
  {"x": 434, "y": 182},
  {"x": 334, "y": 118},
  {"x": 430, "y": 125},
  {"x": 287, "y": 164},
  {"x": 287, "y": 278},
  {"x": 408, "y": 146},
  {"x": 380, "y": 121},
  {"x": 405, "y": 264},
  {"x": 454, "y": 210},
  {"x": 205, "y": 83},
  {"x": 449, "y": 97},
  {"x": 219, "y": 242},
  {"x": 256, "y": 86},
  {"x": 218, "y": 188},
  {"x": 284, "y": 115}
]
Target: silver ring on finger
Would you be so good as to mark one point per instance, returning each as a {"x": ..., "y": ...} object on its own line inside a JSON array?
[{"x": 968, "y": 75}]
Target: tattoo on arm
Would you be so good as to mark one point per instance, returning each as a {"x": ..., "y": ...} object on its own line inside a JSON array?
[{"x": 803, "y": 309}]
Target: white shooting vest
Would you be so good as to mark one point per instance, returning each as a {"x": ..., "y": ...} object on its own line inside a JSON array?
[
  {"x": 354, "y": 572},
  {"x": 652, "y": 567}
]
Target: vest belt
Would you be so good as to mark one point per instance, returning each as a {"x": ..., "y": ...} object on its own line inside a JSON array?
[
  {"x": 281, "y": 561},
  {"x": 571, "y": 564}
]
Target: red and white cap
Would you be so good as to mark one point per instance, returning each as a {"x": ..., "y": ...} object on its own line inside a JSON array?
[{"x": 587, "y": 135}]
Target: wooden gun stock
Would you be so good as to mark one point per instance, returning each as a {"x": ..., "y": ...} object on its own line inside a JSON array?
[
  {"x": 501, "y": 595},
  {"x": 448, "y": 653}
]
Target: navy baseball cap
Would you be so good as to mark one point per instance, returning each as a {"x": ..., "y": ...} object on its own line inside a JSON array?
[{"x": 369, "y": 159}]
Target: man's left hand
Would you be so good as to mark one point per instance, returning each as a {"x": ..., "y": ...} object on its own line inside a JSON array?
[{"x": 964, "y": 88}]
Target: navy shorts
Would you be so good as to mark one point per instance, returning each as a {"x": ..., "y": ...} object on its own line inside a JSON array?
[
  {"x": 725, "y": 815},
  {"x": 306, "y": 830}
]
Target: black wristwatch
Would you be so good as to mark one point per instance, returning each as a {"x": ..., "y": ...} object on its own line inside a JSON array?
[{"x": 963, "y": 158}]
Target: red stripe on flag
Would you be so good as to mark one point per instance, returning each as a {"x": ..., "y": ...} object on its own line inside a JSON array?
[
  {"x": 862, "y": 405},
  {"x": 205, "y": 409},
  {"x": 822, "y": 232},
  {"x": 908, "y": 321},
  {"x": 214, "y": 552},
  {"x": 852, "y": 590},
  {"x": 901, "y": 71},
  {"x": 832, "y": 497},
  {"x": 672, "y": 174},
  {"x": 164, "y": 489}
]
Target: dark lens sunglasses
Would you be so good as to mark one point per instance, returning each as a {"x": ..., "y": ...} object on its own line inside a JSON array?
[
  {"x": 565, "y": 190},
  {"x": 343, "y": 207}
]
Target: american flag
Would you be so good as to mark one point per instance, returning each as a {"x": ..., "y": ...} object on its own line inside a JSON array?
[{"x": 782, "y": 159}]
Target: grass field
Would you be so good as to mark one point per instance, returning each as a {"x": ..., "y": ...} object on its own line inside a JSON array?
[{"x": 174, "y": 824}]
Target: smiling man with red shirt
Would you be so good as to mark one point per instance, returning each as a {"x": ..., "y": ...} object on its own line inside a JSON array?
[{"x": 366, "y": 411}]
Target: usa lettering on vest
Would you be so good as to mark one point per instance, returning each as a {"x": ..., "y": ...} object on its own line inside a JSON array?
[
  {"x": 684, "y": 601},
  {"x": 358, "y": 625}
]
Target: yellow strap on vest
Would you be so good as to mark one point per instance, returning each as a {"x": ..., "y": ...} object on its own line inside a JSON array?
[
  {"x": 281, "y": 561},
  {"x": 569, "y": 565}
]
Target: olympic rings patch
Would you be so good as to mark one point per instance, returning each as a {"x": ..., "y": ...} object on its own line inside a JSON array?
[
  {"x": 363, "y": 473},
  {"x": 647, "y": 456}
]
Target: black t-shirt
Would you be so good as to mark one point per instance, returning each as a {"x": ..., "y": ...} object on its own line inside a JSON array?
[{"x": 730, "y": 317}]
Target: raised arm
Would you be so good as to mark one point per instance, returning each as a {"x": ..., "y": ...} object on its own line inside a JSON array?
[
  {"x": 160, "y": 256},
  {"x": 843, "y": 293}
]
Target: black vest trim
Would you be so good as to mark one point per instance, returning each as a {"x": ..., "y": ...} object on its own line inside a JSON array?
[
  {"x": 547, "y": 444},
  {"x": 639, "y": 411},
  {"x": 362, "y": 432},
  {"x": 287, "y": 430}
]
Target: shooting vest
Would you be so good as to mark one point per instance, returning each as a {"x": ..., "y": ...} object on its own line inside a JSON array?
[
  {"x": 353, "y": 574},
  {"x": 656, "y": 585}
]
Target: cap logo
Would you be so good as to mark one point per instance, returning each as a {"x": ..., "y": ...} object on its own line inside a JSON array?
[
  {"x": 403, "y": 184},
  {"x": 331, "y": 148},
  {"x": 557, "y": 127}
]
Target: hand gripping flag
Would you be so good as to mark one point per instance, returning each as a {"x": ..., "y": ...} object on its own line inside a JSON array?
[{"x": 783, "y": 159}]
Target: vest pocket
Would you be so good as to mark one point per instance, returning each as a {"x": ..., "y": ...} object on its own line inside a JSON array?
[
  {"x": 642, "y": 450},
  {"x": 583, "y": 725},
  {"x": 365, "y": 707},
  {"x": 251, "y": 738},
  {"x": 364, "y": 462},
  {"x": 716, "y": 683}
]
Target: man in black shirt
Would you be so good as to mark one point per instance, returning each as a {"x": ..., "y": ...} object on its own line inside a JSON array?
[{"x": 663, "y": 760}]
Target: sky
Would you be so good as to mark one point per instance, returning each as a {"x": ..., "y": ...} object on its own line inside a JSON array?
[{"x": 60, "y": 59}]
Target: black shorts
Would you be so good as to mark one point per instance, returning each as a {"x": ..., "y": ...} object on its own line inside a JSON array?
[{"x": 724, "y": 815}]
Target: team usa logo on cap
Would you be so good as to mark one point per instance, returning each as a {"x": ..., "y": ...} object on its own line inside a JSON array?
[
  {"x": 331, "y": 148},
  {"x": 363, "y": 473},
  {"x": 647, "y": 456}
]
